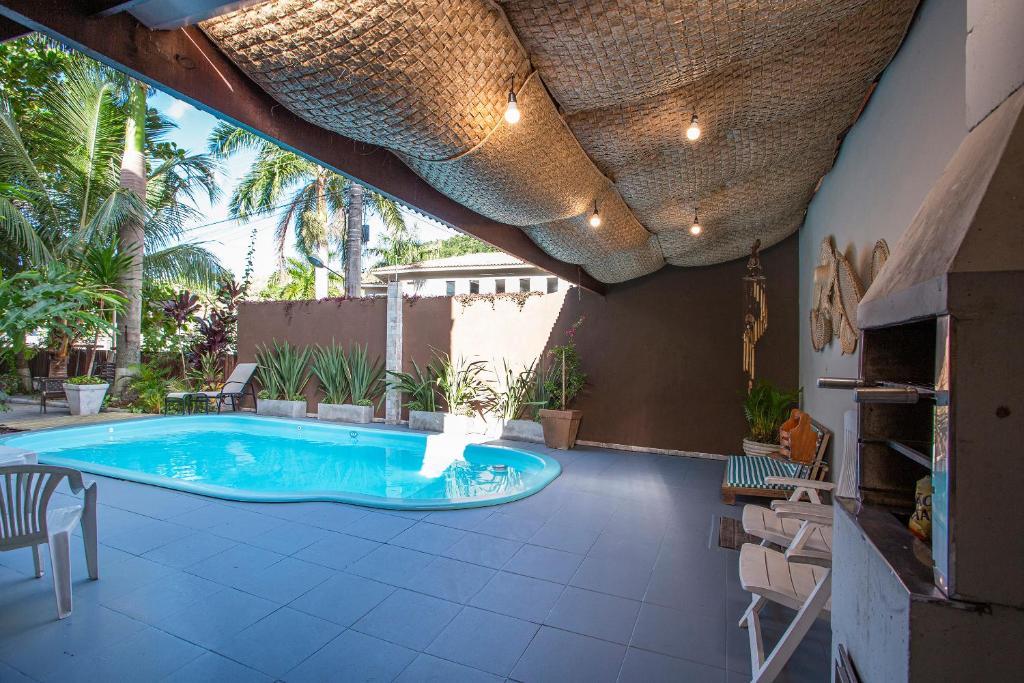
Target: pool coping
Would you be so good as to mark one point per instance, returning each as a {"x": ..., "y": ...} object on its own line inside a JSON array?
[{"x": 552, "y": 470}]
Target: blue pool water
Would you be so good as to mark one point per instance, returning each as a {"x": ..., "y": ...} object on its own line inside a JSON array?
[{"x": 244, "y": 457}]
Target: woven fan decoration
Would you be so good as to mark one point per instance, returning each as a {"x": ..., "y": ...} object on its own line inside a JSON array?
[
  {"x": 755, "y": 316},
  {"x": 879, "y": 255},
  {"x": 850, "y": 292},
  {"x": 606, "y": 90},
  {"x": 823, "y": 317}
]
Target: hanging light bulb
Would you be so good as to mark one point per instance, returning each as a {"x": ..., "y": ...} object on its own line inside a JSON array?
[
  {"x": 512, "y": 113},
  {"x": 695, "y": 229},
  {"x": 693, "y": 132},
  {"x": 595, "y": 218}
]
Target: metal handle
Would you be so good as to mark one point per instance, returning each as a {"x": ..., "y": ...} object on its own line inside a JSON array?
[
  {"x": 906, "y": 395},
  {"x": 840, "y": 383}
]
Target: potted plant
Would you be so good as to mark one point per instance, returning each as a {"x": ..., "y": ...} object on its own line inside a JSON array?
[
  {"x": 463, "y": 390},
  {"x": 564, "y": 381},
  {"x": 420, "y": 388},
  {"x": 766, "y": 407},
  {"x": 517, "y": 396},
  {"x": 283, "y": 374},
  {"x": 85, "y": 394},
  {"x": 344, "y": 375}
]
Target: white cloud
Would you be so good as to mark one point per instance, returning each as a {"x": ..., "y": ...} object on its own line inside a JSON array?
[{"x": 177, "y": 109}]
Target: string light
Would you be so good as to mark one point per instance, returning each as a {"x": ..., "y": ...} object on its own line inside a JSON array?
[
  {"x": 695, "y": 229},
  {"x": 512, "y": 113},
  {"x": 595, "y": 218},
  {"x": 693, "y": 132}
]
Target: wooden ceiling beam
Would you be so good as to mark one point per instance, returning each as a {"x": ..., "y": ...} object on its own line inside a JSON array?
[
  {"x": 188, "y": 65},
  {"x": 9, "y": 30}
]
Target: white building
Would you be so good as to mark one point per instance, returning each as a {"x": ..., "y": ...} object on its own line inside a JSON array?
[{"x": 491, "y": 272}]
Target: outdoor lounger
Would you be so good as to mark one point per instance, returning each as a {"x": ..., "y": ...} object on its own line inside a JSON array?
[{"x": 239, "y": 385}]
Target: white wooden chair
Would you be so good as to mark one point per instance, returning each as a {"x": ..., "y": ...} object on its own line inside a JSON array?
[
  {"x": 26, "y": 521},
  {"x": 806, "y": 588},
  {"x": 802, "y": 524}
]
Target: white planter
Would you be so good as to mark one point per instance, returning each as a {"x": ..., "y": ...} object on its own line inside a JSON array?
[
  {"x": 439, "y": 422},
  {"x": 274, "y": 408},
  {"x": 344, "y": 412},
  {"x": 759, "y": 448},
  {"x": 523, "y": 430},
  {"x": 85, "y": 399}
]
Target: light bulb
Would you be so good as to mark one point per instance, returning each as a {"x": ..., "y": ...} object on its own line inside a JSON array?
[
  {"x": 693, "y": 132},
  {"x": 512, "y": 114},
  {"x": 695, "y": 228},
  {"x": 595, "y": 219}
]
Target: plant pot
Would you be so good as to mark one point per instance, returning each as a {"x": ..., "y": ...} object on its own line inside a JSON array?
[
  {"x": 751, "y": 447},
  {"x": 438, "y": 422},
  {"x": 523, "y": 430},
  {"x": 85, "y": 399},
  {"x": 275, "y": 408},
  {"x": 560, "y": 427},
  {"x": 344, "y": 412}
]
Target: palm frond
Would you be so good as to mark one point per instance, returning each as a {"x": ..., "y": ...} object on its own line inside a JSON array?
[
  {"x": 188, "y": 265},
  {"x": 16, "y": 228}
]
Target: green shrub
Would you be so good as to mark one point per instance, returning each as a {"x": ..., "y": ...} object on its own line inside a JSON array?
[
  {"x": 461, "y": 385},
  {"x": 330, "y": 366},
  {"x": 419, "y": 386},
  {"x": 365, "y": 377},
  {"x": 766, "y": 407},
  {"x": 283, "y": 371},
  {"x": 149, "y": 386},
  {"x": 517, "y": 391},
  {"x": 86, "y": 379}
]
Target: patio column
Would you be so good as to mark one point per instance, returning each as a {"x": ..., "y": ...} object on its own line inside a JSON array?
[{"x": 393, "y": 397}]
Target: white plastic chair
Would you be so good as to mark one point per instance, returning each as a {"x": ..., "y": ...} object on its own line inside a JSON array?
[{"x": 26, "y": 521}]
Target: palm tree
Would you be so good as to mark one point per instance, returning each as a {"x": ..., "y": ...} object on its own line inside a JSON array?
[
  {"x": 310, "y": 200},
  {"x": 296, "y": 282}
]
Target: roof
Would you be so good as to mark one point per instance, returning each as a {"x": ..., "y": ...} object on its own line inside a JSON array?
[{"x": 489, "y": 260}]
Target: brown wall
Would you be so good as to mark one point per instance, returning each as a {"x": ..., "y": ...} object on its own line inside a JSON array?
[{"x": 662, "y": 353}]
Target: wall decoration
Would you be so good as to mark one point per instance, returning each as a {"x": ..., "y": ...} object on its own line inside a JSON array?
[
  {"x": 755, "y": 316},
  {"x": 836, "y": 294}
]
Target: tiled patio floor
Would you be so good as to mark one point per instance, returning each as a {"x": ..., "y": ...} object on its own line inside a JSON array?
[{"x": 611, "y": 573}]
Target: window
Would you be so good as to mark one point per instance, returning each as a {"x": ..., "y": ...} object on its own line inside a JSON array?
[
  {"x": 449, "y": 287},
  {"x": 474, "y": 286},
  {"x": 524, "y": 284},
  {"x": 499, "y": 286},
  {"x": 552, "y": 285}
]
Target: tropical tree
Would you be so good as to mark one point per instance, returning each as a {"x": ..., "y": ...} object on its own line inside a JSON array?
[
  {"x": 310, "y": 201},
  {"x": 297, "y": 282}
]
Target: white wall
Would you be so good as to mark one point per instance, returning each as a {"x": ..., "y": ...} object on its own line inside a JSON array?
[
  {"x": 438, "y": 286},
  {"x": 894, "y": 153}
]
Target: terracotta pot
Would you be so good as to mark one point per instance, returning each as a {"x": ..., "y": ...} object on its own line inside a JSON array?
[
  {"x": 560, "y": 427},
  {"x": 759, "y": 448}
]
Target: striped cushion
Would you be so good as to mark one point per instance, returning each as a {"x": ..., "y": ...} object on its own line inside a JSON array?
[{"x": 749, "y": 471}]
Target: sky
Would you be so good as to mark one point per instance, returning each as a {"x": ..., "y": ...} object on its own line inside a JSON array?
[{"x": 229, "y": 239}]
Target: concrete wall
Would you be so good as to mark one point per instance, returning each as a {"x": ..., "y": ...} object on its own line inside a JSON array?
[
  {"x": 663, "y": 353},
  {"x": 891, "y": 157}
]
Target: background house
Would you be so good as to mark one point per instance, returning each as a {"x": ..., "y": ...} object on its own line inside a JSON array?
[{"x": 483, "y": 273}]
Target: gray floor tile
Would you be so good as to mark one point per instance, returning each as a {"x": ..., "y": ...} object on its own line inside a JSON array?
[
  {"x": 624, "y": 576},
  {"x": 149, "y": 536},
  {"x": 378, "y": 527},
  {"x": 626, "y": 544},
  {"x": 155, "y": 601},
  {"x": 408, "y": 618},
  {"x": 544, "y": 563},
  {"x": 430, "y": 669},
  {"x": 450, "y": 579},
  {"x": 428, "y": 538},
  {"x": 337, "y": 551},
  {"x": 562, "y": 657},
  {"x": 333, "y": 517},
  {"x": 9, "y": 674},
  {"x": 467, "y": 520},
  {"x": 118, "y": 579},
  {"x": 288, "y": 538},
  {"x": 642, "y": 666},
  {"x": 560, "y": 537},
  {"x": 217, "y": 618},
  {"x": 213, "y": 668},
  {"x": 239, "y": 559},
  {"x": 196, "y": 547},
  {"x": 279, "y": 642},
  {"x": 149, "y": 655},
  {"x": 518, "y": 596},
  {"x": 391, "y": 565},
  {"x": 353, "y": 657},
  {"x": 692, "y": 635},
  {"x": 484, "y": 640},
  {"x": 595, "y": 614},
  {"x": 343, "y": 598},
  {"x": 489, "y": 551},
  {"x": 518, "y": 527},
  {"x": 283, "y": 581}
]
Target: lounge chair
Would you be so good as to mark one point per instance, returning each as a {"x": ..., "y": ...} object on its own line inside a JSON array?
[
  {"x": 238, "y": 385},
  {"x": 748, "y": 475},
  {"x": 26, "y": 521}
]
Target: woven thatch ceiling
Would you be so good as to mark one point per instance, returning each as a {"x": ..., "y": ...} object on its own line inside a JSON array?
[{"x": 606, "y": 89}]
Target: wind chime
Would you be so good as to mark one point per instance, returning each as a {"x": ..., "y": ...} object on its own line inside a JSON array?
[{"x": 755, "y": 315}]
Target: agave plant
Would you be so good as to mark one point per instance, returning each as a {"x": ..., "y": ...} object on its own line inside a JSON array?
[
  {"x": 283, "y": 371},
  {"x": 766, "y": 407},
  {"x": 517, "y": 391},
  {"x": 330, "y": 366},
  {"x": 461, "y": 384},
  {"x": 365, "y": 377},
  {"x": 419, "y": 385}
]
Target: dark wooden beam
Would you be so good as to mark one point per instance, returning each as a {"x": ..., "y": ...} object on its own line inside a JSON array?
[
  {"x": 105, "y": 8},
  {"x": 188, "y": 65},
  {"x": 9, "y": 30}
]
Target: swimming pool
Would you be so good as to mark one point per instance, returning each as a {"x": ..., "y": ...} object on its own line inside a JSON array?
[{"x": 251, "y": 458}]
